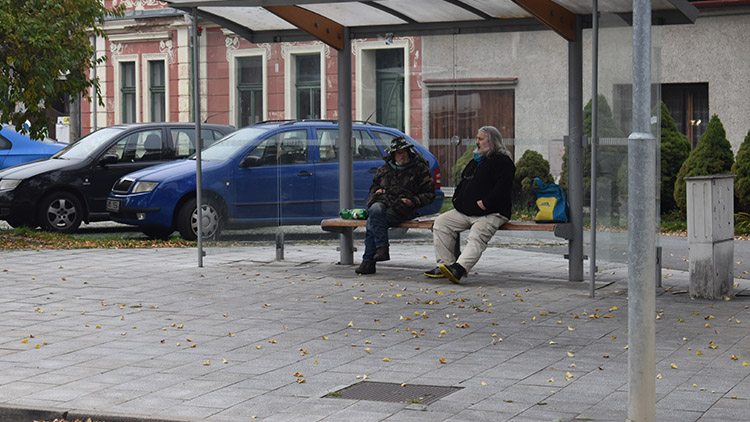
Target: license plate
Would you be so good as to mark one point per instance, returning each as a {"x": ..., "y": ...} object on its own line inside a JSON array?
[{"x": 113, "y": 205}]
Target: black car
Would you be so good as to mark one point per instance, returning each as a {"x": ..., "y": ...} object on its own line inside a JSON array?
[{"x": 72, "y": 186}]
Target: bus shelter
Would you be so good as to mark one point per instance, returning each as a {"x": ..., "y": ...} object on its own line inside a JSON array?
[{"x": 339, "y": 24}]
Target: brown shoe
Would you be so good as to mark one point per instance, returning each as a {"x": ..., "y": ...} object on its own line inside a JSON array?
[
  {"x": 381, "y": 254},
  {"x": 366, "y": 267}
]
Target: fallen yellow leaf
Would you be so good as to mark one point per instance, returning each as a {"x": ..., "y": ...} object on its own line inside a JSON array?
[{"x": 673, "y": 366}]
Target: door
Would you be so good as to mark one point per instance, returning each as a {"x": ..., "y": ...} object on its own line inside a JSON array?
[
  {"x": 462, "y": 113},
  {"x": 280, "y": 189},
  {"x": 366, "y": 160},
  {"x": 134, "y": 151}
]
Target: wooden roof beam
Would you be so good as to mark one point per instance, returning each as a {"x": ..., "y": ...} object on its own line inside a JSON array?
[
  {"x": 320, "y": 27},
  {"x": 556, "y": 17}
]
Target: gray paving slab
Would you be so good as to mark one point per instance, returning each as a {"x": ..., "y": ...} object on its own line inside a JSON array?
[{"x": 149, "y": 334}]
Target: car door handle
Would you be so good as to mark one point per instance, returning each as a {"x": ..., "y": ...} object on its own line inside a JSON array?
[
  {"x": 372, "y": 170},
  {"x": 304, "y": 173}
]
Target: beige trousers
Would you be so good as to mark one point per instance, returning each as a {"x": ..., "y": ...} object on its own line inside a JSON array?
[{"x": 447, "y": 230}]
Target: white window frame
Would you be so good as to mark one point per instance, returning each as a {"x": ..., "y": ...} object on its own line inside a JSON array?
[
  {"x": 162, "y": 57},
  {"x": 117, "y": 74},
  {"x": 290, "y": 77},
  {"x": 366, "y": 80},
  {"x": 232, "y": 56}
]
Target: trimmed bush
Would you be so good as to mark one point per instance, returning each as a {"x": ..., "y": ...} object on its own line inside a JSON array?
[
  {"x": 741, "y": 171},
  {"x": 675, "y": 149},
  {"x": 712, "y": 155},
  {"x": 531, "y": 165},
  {"x": 610, "y": 158}
]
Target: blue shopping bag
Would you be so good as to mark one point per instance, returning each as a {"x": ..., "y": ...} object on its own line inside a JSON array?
[{"x": 550, "y": 202}]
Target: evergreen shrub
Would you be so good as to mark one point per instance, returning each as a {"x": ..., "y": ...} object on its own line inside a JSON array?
[
  {"x": 532, "y": 164},
  {"x": 712, "y": 155},
  {"x": 741, "y": 171},
  {"x": 675, "y": 149}
]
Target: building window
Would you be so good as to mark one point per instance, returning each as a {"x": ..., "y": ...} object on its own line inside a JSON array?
[
  {"x": 383, "y": 92},
  {"x": 249, "y": 90},
  {"x": 127, "y": 91},
  {"x": 688, "y": 105},
  {"x": 308, "y": 86},
  {"x": 390, "y": 87},
  {"x": 157, "y": 91}
]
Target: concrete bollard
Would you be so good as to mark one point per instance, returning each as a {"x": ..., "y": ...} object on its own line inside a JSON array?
[{"x": 710, "y": 221}]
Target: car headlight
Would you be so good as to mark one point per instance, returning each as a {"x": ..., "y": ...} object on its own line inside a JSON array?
[
  {"x": 9, "y": 184},
  {"x": 141, "y": 187}
]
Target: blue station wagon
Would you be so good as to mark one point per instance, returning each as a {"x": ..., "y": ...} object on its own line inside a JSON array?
[{"x": 267, "y": 174}]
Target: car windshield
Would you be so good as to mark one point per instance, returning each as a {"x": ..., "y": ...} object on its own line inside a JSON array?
[
  {"x": 88, "y": 144},
  {"x": 227, "y": 146}
]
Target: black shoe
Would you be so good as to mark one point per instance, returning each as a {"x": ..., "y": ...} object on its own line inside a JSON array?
[
  {"x": 434, "y": 273},
  {"x": 381, "y": 254},
  {"x": 366, "y": 267},
  {"x": 453, "y": 272}
]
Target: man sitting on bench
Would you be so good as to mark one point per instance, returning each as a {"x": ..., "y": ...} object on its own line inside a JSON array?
[
  {"x": 400, "y": 186},
  {"x": 482, "y": 203}
]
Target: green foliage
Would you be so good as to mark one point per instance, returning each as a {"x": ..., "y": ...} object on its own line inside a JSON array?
[
  {"x": 741, "y": 171},
  {"x": 742, "y": 224},
  {"x": 712, "y": 155},
  {"x": 42, "y": 40},
  {"x": 531, "y": 165},
  {"x": 610, "y": 159},
  {"x": 675, "y": 148},
  {"x": 461, "y": 164}
]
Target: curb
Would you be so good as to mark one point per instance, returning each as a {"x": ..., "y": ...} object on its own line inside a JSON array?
[{"x": 17, "y": 414}]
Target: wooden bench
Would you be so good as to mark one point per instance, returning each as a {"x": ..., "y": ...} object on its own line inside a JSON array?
[{"x": 563, "y": 230}]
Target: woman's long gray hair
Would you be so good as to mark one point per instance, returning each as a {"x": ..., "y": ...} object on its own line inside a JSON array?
[{"x": 495, "y": 141}]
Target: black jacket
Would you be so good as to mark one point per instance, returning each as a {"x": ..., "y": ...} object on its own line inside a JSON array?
[
  {"x": 414, "y": 182},
  {"x": 491, "y": 181}
]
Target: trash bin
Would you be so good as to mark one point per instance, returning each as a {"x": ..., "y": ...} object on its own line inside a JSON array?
[{"x": 710, "y": 221}]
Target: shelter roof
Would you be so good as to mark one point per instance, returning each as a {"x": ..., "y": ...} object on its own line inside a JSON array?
[{"x": 279, "y": 20}]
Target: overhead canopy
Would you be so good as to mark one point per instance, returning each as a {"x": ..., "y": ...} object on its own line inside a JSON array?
[{"x": 283, "y": 20}]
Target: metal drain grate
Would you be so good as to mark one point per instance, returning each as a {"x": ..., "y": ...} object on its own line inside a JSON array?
[{"x": 392, "y": 392}]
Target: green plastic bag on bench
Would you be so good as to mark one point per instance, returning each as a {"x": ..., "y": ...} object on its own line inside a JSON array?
[{"x": 550, "y": 202}]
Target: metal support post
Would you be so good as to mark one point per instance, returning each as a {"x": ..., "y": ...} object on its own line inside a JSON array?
[
  {"x": 346, "y": 185},
  {"x": 594, "y": 138},
  {"x": 641, "y": 228},
  {"x": 575, "y": 154},
  {"x": 198, "y": 140}
]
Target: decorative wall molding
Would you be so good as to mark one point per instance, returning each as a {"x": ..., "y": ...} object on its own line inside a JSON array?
[
  {"x": 115, "y": 48},
  {"x": 139, "y": 36},
  {"x": 165, "y": 46},
  {"x": 137, "y": 4},
  {"x": 232, "y": 43}
]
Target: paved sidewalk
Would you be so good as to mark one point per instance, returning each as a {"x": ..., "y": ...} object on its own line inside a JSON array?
[{"x": 126, "y": 335}]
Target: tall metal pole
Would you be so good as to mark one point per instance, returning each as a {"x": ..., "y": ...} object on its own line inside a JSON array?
[
  {"x": 594, "y": 137},
  {"x": 198, "y": 140},
  {"x": 346, "y": 185},
  {"x": 575, "y": 154},
  {"x": 641, "y": 228}
]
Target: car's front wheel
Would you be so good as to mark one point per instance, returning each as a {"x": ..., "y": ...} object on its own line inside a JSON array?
[
  {"x": 60, "y": 212},
  {"x": 187, "y": 220}
]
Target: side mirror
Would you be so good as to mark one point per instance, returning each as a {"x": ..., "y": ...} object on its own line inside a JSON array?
[
  {"x": 108, "y": 158},
  {"x": 250, "y": 161}
]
